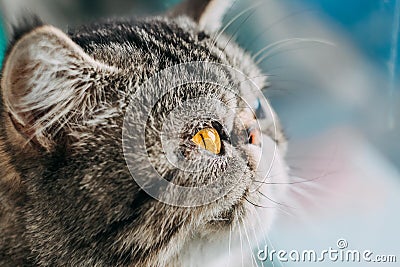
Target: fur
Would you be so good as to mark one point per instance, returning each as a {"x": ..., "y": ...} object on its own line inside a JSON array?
[{"x": 67, "y": 196}]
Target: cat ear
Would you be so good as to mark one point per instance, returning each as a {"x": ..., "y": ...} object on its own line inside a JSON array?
[
  {"x": 208, "y": 13},
  {"x": 47, "y": 81}
]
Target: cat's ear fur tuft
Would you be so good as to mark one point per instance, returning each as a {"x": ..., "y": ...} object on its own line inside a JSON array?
[
  {"x": 46, "y": 78},
  {"x": 207, "y": 13}
]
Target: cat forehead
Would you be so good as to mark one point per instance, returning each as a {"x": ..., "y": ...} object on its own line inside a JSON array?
[
  {"x": 143, "y": 47},
  {"x": 123, "y": 41},
  {"x": 160, "y": 42}
]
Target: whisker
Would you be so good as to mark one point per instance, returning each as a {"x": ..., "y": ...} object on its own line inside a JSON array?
[
  {"x": 276, "y": 202},
  {"x": 298, "y": 168},
  {"x": 285, "y": 67},
  {"x": 289, "y": 16},
  {"x": 240, "y": 238},
  {"x": 272, "y": 246},
  {"x": 288, "y": 212},
  {"x": 270, "y": 92},
  {"x": 229, "y": 244},
  {"x": 260, "y": 223},
  {"x": 271, "y": 46},
  {"x": 216, "y": 35},
  {"x": 278, "y": 52},
  {"x": 248, "y": 241},
  {"x": 256, "y": 238},
  {"x": 307, "y": 196},
  {"x": 285, "y": 42},
  {"x": 299, "y": 182},
  {"x": 237, "y": 29},
  {"x": 289, "y": 81},
  {"x": 232, "y": 21},
  {"x": 257, "y": 205},
  {"x": 265, "y": 237},
  {"x": 319, "y": 187},
  {"x": 305, "y": 192},
  {"x": 311, "y": 158}
]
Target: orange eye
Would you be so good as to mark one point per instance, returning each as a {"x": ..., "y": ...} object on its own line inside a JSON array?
[{"x": 208, "y": 139}]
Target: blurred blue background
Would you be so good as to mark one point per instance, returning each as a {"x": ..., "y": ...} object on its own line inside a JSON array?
[
  {"x": 371, "y": 24},
  {"x": 368, "y": 23},
  {"x": 2, "y": 42}
]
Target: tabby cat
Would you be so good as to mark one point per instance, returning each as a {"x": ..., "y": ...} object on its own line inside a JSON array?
[{"x": 76, "y": 186}]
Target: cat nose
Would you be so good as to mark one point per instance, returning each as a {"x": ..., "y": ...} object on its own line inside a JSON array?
[
  {"x": 249, "y": 121},
  {"x": 254, "y": 135}
]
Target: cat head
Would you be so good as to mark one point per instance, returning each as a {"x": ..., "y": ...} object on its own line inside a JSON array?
[{"x": 94, "y": 120}]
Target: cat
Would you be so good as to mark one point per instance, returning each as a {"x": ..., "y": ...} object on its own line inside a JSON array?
[{"x": 71, "y": 164}]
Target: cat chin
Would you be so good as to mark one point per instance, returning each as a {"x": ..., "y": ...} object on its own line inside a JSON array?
[
  {"x": 229, "y": 246},
  {"x": 232, "y": 240}
]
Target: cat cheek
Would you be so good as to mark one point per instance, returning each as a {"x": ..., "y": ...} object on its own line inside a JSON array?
[
  {"x": 254, "y": 155},
  {"x": 263, "y": 159}
]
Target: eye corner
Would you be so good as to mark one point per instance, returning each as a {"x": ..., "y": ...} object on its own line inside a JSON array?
[
  {"x": 259, "y": 110},
  {"x": 222, "y": 131}
]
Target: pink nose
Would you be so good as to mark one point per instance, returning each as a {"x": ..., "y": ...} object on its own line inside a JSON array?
[{"x": 254, "y": 135}]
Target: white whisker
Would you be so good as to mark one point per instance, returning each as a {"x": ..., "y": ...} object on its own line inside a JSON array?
[
  {"x": 218, "y": 34},
  {"x": 240, "y": 238},
  {"x": 256, "y": 239},
  {"x": 286, "y": 42},
  {"x": 250, "y": 246},
  {"x": 229, "y": 245},
  {"x": 272, "y": 246},
  {"x": 262, "y": 229}
]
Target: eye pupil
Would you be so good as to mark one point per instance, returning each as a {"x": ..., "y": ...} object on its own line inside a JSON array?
[
  {"x": 204, "y": 141},
  {"x": 208, "y": 139}
]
